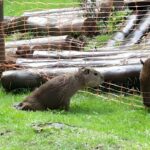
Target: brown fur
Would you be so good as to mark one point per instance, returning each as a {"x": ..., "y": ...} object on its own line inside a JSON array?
[
  {"x": 56, "y": 93},
  {"x": 145, "y": 82}
]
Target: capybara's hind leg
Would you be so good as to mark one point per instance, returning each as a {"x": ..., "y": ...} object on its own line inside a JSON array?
[
  {"x": 66, "y": 105},
  {"x": 24, "y": 106},
  {"x": 30, "y": 106}
]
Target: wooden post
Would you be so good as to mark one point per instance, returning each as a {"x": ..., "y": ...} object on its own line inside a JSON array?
[{"x": 2, "y": 43}]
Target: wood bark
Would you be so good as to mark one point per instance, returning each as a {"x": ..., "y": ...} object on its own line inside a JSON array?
[
  {"x": 15, "y": 24},
  {"x": 32, "y": 78},
  {"x": 20, "y": 79},
  {"x": 83, "y": 54},
  {"x": 128, "y": 27},
  {"x": 139, "y": 32},
  {"x": 62, "y": 25},
  {"x": 53, "y": 11},
  {"x": 52, "y": 25},
  {"x": 80, "y": 63},
  {"x": 26, "y": 47}
]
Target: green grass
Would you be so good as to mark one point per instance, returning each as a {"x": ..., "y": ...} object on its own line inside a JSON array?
[
  {"x": 92, "y": 122},
  {"x": 17, "y": 7},
  {"x": 97, "y": 41}
]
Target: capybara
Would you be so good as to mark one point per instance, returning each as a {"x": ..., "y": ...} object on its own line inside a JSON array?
[
  {"x": 56, "y": 93},
  {"x": 145, "y": 82}
]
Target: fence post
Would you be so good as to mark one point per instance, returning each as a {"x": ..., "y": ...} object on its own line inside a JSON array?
[{"x": 2, "y": 43}]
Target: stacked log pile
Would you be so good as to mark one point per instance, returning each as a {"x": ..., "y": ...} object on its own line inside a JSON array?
[
  {"x": 119, "y": 67},
  {"x": 42, "y": 58},
  {"x": 65, "y": 21},
  {"x": 136, "y": 26}
]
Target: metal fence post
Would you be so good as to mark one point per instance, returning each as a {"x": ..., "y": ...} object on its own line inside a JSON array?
[{"x": 2, "y": 43}]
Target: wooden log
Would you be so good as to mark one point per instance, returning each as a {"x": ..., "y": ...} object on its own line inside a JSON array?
[
  {"x": 143, "y": 26},
  {"x": 19, "y": 23},
  {"x": 139, "y": 5},
  {"x": 116, "y": 69},
  {"x": 124, "y": 57},
  {"x": 105, "y": 8},
  {"x": 12, "y": 80},
  {"x": 68, "y": 44},
  {"x": 70, "y": 54},
  {"x": 134, "y": 1},
  {"x": 26, "y": 47},
  {"x": 52, "y": 11},
  {"x": 80, "y": 63},
  {"x": 118, "y": 4},
  {"x": 101, "y": 9},
  {"x": 15, "y": 24},
  {"x": 45, "y": 40},
  {"x": 55, "y": 24},
  {"x": 76, "y": 54},
  {"x": 62, "y": 25},
  {"x": 31, "y": 78},
  {"x": 8, "y": 18},
  {"x": 129, "y": 26}
]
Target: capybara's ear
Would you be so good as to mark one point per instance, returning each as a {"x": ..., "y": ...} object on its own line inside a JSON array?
[
  {"x": 86, "y": 71},
  {"x": 142, "y": 62},
  {"x": 81, "y": 68}
]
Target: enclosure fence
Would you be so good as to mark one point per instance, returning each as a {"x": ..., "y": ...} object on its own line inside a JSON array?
[{"x": 39, "y": 40}]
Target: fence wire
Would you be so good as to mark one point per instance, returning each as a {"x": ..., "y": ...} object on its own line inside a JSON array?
[{"x": 52, "y": 38}]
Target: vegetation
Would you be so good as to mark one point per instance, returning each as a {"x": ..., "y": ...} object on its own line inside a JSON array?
[
  {"x": 107, "y": 29},
  {"x": 17, "y": 7},
  {"x": 92, "y": 122}
]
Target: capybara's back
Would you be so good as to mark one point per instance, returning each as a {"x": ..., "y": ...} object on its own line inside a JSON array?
[{"x": 145, "y": 82}]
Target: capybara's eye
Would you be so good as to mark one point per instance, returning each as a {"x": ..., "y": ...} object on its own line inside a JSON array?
[{"x": 95, "y": 73}]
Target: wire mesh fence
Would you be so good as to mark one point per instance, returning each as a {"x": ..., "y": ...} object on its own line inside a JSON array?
[{"x": 51, "y": 38}]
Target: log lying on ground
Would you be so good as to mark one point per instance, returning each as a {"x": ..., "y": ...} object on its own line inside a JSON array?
[
  {"x": 70, "y": 44},
  {"x": 52, "y": 11},
  {"x": 62, "y": 25},
  {"x": 135, "y": 28},
  {"x": 83, "y": 54},
  {"x": 143, "y": 26},
  {"x": 99, "y": 60},
  {"x": 15, "y": 24},
  {"x": 52, "y": 24},
  {"x": 80, "y": 63},
  {"x": 51, "y": 42},
  {"x": 101, "y": 9},
  {"x": 32, "y": 77},
  {"x": 12, "y": 80},
  {"x": 70, "y": 54},
  {"x": 129, "y": 26},
  {"x": 123, "y": 58}
]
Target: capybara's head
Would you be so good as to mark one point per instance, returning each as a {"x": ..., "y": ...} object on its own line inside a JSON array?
[
  {"x": 146, "y": 65},
  {"x": 91, "y": 77},
  {"x": 145, "y": 82}
]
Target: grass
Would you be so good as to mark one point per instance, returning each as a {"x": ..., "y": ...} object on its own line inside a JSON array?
[
  {"x": 17, "y": 7},
  {"x": 97, "y": 41},
  {"x": 91, "y": 123}
]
